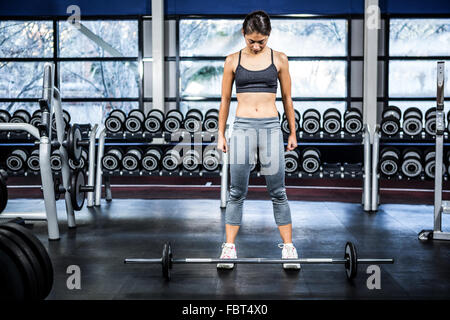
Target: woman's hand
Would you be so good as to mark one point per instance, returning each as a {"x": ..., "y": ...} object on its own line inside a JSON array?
[
  {"x": 292, "y": 142},
  {"x": 222, "y": 144}
]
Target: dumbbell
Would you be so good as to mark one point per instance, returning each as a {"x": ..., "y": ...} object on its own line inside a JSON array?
[
  {"x": 135, "y": 121},
  {"x": 430, "y": 163},
  {"x": 152, "y": 159},
  {"x": 20, "y": 116},
  {"x": 291, "y": 161},
  {"x": 112, "y": 159},
  {"x": 211, "y": 123},
  {"x": 66, "y": 120},
  {"x": 389, "y": 161},
  {"x": 115, "y": 121},
  {"x": 311, "y": 121},
  {"x": 154, "y": 121},
  {"x": 211, "y": 160},
  {"x": 173, "y": 121},
  {"x": 193, "y": 120},
  {"x": 4, "y": 116},
  {"x": 285, "y": 123},
  {"x": 353, "y": 121},
  {"x": 55, "y": 160},
  {"x": 412, "y": 162},
  {"x": 132, "y": 159},
  {"x": 310, "y": 160},
  {"x": 390, "y": 120},
  {"x": 332, "y": 121},
  {"x": 171, "y": 159},
  {"x": 191, "y": 160},
  {"x": 17, "y": 159},
  {"x": 33, "y": 160},
  {"x": 36, "y": 118},
  {"x": 430, "y": 121},
  {"x": 412, "y": 121},
  {"x": 82, "y": 162}
]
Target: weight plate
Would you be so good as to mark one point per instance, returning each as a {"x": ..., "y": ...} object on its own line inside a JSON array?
[
  {"x": 3, "y": 195},
  {"x": 32, "y": 259},
  {"x": 12, "y": 284},
  {"x": 77, "y": 196},
  {"x": 113, "y": 124},
  {"x": 166, "y": 260},
  {"x": 37, "y": 247},
  {"x": 73, "y": 138},
  {"x": 351, "y": 265},
  {"x": 23, "y": 265}
]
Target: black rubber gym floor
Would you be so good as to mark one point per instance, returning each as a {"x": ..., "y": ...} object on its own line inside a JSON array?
[{"x": 138, "y": 228}]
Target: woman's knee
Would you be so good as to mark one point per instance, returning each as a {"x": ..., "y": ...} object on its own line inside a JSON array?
[
  {"x": 237, "y": 194},
  {"x": 279, "y": 195}
]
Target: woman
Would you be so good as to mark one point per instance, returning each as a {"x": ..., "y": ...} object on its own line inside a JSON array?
[{"x": 257, "y": 127}]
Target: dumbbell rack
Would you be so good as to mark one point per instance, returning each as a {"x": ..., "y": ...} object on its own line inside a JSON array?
[{"x": 144, "y": 139}]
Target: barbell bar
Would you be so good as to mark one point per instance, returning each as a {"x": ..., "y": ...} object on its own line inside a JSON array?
[{"x": 350, "y": 261}]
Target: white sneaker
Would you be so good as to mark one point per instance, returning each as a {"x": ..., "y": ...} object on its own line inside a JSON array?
[
  {"x": 228, "y": 252},
  {"x": 289, "y": 252}
]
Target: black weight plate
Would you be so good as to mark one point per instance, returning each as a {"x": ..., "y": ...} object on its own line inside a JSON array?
[
  {"x": 12, "y": 284},
  {"x": 3, "y": 195},
  {"x": 26, "y": 270},
  {"x": 351, "y": 266},
  {"x": 38, "y": 248},
  {"x": 32, "y": 258},
  {"x": 166, "y": 260},
  {"x": 77, "y": 196},
  {"x": 75, "y": 137}
]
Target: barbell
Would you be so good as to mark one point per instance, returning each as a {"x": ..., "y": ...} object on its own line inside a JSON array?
[
  {"x": 350, "y": 261},
  {"x": 77, "y": 189}
]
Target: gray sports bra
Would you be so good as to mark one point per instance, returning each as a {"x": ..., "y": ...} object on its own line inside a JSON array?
[{"x": 256, "y": 81}]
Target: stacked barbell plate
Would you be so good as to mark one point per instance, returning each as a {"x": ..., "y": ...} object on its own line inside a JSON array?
[
  {"x": 36, "y": 118},
  {"x": 82, "y": 162}
]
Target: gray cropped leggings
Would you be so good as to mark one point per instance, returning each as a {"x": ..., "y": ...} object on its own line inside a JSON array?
[{"x": 249, "y": 136}]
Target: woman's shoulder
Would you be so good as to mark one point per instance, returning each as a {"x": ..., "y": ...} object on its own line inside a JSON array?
[{"x": 281, "y": 56}]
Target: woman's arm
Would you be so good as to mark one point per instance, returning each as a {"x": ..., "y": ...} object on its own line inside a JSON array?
[
  {"x": 285, "y": 83},
  {"x": 227, "y": 85}
]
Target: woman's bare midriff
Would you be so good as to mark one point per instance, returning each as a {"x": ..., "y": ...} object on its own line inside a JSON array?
[{"x": 256, "y": 105}]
